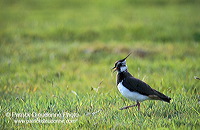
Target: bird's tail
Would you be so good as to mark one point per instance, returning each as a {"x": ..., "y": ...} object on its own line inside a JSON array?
[{"x": 163, "y": 97}]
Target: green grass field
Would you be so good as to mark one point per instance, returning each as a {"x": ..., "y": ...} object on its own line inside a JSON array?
[{"x": 55, "y": 58}]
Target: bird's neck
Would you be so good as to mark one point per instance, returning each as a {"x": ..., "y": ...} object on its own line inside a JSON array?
[{"x": 122, "y": 75}]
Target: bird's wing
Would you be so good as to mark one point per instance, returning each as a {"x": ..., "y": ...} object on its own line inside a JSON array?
[{"x": 139, "y": 86}]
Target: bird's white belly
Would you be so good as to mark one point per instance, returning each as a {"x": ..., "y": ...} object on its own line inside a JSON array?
[{"x": 134, "y": 96}]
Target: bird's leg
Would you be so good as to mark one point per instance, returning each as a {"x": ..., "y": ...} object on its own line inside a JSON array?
[
  {"x": 126, "y": 107},
  {"x": 138, "y": 104}
]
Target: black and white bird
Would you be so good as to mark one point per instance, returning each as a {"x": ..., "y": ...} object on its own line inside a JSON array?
[{"x": 133, "y": 88}]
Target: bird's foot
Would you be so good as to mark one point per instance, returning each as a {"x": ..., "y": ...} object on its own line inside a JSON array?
[{"x": 126, "y": 107}]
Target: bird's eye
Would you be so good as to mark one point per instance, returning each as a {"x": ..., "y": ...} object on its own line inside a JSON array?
[{"x": 120, "y": 64}]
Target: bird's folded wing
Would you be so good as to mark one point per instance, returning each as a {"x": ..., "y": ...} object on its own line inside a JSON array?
[{"x": 136, "y": 85}]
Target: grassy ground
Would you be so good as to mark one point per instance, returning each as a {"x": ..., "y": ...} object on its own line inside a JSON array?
[{"x": 55, "y": 57}]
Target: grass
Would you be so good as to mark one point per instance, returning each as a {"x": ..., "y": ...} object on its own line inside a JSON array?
[{"x": 55, "y": 57}]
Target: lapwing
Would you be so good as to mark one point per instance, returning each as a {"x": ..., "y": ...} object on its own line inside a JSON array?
[{"x": 133, "y": 88}]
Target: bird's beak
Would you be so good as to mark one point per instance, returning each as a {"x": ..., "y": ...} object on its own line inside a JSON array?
[{"x": 115, "y": 69}]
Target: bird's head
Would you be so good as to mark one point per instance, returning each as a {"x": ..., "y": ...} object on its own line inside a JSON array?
[{"x": 120, "y": 65}]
